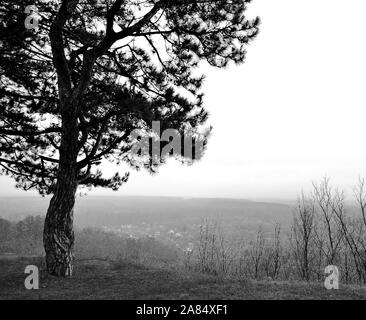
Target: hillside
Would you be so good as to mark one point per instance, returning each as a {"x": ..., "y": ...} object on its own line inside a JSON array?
[
  {"x": 101, "y": 280},
  {"x": 110, "y": 211}
]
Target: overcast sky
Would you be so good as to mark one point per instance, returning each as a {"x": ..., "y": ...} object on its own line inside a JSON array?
[{"x": 294, "y": 112}]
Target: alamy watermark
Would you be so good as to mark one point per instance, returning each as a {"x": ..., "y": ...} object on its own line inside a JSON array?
[
  {"x": 332, "y": 279},
  {"x": 31, "y": 282},
  {"x": 158, "y": 145},
  {"x": 32, "y": 19}
]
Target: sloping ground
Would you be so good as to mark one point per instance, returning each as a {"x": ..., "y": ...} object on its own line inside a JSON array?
[
  {"x": 100, "y": 280},
  {"x": 114, "y": 211}
]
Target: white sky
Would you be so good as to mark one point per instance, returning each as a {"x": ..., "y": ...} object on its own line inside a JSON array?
[{"x": 292, "y": 113}]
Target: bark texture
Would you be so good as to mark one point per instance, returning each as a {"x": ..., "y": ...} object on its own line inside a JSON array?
[{"x": 58, "y": 234}]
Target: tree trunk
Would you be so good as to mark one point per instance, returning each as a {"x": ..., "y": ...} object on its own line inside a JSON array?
[{"x": 58, "y": 236}]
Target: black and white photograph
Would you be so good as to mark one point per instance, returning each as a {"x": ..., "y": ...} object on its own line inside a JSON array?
[{"x": 181, "y": 155}]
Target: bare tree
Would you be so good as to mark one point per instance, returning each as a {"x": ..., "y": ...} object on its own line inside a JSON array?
[
  {"x": 256, "y": 253},
  {"x": 330, "y": 234},
  {"x": 302, "y": 237},
  {"x": 353, "y": 229}
]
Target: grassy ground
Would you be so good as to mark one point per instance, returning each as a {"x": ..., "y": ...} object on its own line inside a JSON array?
[{"x": 101, "y": 280}]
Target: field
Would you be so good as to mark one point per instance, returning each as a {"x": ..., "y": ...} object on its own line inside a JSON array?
[{"x": 102, "y": 280}]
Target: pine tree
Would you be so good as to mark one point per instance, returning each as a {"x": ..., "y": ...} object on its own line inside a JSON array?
[{"x": 77, "y": 78}]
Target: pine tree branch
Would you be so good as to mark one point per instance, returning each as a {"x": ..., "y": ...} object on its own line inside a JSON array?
[
  {"x": 28, "y": 133},
  {"x": 57, "y": 45}
]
